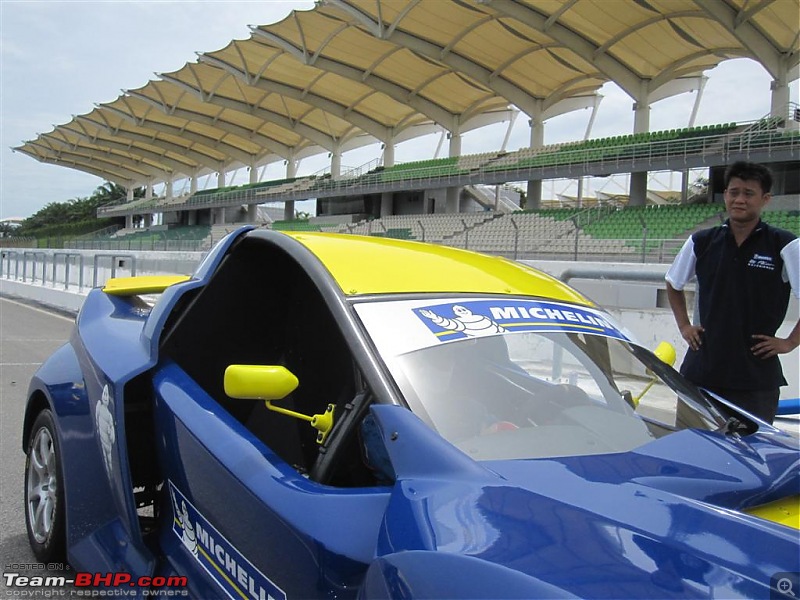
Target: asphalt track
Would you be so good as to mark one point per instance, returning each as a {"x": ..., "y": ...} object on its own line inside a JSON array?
[{"x": 28, "y": 335}]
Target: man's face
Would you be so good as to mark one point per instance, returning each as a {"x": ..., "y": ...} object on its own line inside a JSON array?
[{"x": 744, "y": 200}]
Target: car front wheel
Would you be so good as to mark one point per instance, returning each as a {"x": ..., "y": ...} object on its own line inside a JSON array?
[{"x": 44, "y": 491}]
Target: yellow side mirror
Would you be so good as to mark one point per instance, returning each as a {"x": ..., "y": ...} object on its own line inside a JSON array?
[
  {"x": 666, "y": 353},
  {"x": 259, "y": 382},
  {"x": 269, "y": 383}
]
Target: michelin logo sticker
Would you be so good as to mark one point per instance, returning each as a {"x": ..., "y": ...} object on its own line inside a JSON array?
[
  {"x": 104, "y": 421},
  {"x": 488, "y": 317},
  {"x": 236, "y": 575},
  {"x": 464, "y": 320}
]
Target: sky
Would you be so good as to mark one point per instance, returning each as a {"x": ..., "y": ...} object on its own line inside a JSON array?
[{"x": 60, "y": 58}]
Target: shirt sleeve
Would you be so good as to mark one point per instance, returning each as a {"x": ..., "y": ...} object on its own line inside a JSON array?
[
  {"x": 791, "y": 265},
  {"x": 682, "y": 270}
]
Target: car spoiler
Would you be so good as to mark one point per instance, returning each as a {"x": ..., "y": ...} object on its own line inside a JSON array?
[{"x": 144, "y": 284}]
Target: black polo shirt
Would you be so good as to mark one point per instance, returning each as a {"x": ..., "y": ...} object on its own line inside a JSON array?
[{"x": 742, "y": 291}]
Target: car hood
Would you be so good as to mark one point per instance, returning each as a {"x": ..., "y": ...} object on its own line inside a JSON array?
[{"x": 665, "y": 519}]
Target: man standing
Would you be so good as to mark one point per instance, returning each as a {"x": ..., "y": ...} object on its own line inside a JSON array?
[{"x": 745, "y": 270}]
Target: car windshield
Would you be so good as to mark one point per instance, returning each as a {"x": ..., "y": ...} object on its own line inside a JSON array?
[{"x": 532, "y": 379}]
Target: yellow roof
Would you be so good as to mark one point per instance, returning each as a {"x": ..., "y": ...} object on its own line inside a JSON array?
[{"x": 370, "y": 265}]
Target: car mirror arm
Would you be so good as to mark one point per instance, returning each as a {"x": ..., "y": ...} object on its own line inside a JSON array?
[{"x": 323, "y": 422}]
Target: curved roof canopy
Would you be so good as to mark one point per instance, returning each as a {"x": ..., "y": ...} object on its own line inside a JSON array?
[{"x": 350, "y": 72}]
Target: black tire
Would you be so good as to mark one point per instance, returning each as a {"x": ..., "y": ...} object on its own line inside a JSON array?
[{"x": 44, "y": 491}]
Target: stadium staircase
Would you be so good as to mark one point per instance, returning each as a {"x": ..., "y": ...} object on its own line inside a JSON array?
[{"x": 490, "y": 198}]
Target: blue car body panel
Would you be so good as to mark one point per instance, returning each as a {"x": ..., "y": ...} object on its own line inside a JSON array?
[
  {"x": 591, "y": 524},
  {"x": 205, "y": 450},
  {"x": 663, "y": 520}
]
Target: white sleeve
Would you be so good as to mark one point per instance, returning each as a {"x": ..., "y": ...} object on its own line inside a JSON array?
[
  {"x": 791, "y": 265},
  {"x": 682, "y": 270}
]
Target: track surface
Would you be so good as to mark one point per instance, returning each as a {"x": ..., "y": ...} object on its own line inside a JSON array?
[{"x": 28, "y": 335}]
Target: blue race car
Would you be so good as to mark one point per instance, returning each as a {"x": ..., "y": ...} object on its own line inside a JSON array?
[{"x": 333, "y": 416}]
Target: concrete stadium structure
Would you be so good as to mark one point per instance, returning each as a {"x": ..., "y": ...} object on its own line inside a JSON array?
[{"x": 355, "y": 72}]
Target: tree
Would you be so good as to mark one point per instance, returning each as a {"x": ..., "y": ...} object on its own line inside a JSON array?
[
  {"x": 76, "y": 210},
  {"x": 698, "y": 191},
  {"x": 8, "y": 229},
  {"x": 113, "y": 193}
]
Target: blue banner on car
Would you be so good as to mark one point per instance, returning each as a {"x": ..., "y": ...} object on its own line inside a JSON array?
[
  {"x": 225, "y": 564},
  {"x": 489, "y": 317}
]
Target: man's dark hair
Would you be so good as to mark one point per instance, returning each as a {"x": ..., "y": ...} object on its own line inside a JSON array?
[{"x": 748, "y": 171}]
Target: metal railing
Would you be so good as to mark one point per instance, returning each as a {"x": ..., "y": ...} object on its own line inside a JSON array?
[
  {"x": 152, "y": 245},
  {"x": 675, "y": 154},
  {"x": 78, "y": 270},
  {"x": 575, "y": 247},
  {"x": 66, "y": 269}
]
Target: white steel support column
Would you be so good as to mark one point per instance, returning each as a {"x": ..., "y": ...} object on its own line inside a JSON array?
[
  {"x": 387, "y": 198},
  {"x": 779, "y": 100},
  {"x": 587, "y": 135},
  {"x": 637, "y": 194},
  {"x": 129, "y": 194},
  {"x": 387, "y": 204},
  {"x": 336, "y": 163},
  {"x": 148, "y": 191},
  {"x": 453, "y": 193},
  {"x": 534, "y": 196},
  {"x": 252, "y": 209},
  {"x": 388, "y": 154},
  {"x": 291, "y": 171}
]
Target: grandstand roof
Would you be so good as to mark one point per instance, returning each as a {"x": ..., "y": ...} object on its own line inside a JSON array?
[{"x": 350, "y": 72}]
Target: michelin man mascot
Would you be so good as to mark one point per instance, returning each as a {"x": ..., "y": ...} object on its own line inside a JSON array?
[
  {"x": 104, "y": 421},
  {"x": 466, "y": 321}
]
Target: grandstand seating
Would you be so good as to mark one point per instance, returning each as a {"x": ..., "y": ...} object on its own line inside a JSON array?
[
  {"x": 661, "y": 221},
  {"x": 435, "y": 167},
  {"x": 188, "y": 238},
  {"x": 551, "y": 232},
  {"x": 430, "y": 228},
  {"x": 525, "y": 231},
  {"x": 602, "y": 231},
  {"x": 766, "y": 133},
  {"x": 294, "y": 225},
  {"x": 251, "y": 191},
  {"x": 785, "y": 219},
  {"x": 695, "y": 140},
  {"x": 651, "y": 143},
  {"x": 529, "y": 232}
]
